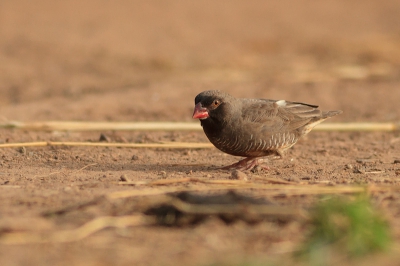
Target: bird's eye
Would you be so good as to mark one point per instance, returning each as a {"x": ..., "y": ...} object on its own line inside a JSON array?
[{"x": 216, "y": 102}]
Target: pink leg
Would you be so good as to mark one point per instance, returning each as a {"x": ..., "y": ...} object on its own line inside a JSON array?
[{"x": 247, "y": 164}]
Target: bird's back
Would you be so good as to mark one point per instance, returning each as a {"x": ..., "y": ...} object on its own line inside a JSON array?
[{"x": 263, "y": 127}]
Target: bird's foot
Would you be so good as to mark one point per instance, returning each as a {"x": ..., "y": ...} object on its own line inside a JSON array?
[{"x": 247, "y": 164}]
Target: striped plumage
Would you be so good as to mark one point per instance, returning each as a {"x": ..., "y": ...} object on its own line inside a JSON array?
[{"x": 254, "y": 127}]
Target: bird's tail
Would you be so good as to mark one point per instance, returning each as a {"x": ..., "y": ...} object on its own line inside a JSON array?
[
  {"x": 325, "y": 115},
  {"x": 330, "y": 114}
]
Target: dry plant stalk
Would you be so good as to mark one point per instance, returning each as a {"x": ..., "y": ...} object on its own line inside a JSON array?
[
  {"x": 357, "y": 126},
  {"x": 155, "y": 126},
  {"x": 165, "y": 145},
  {"x": 100, "y": 126},
  {"x": 166, "y": 182},
  {"x": 268, "y": 189},
  {"x": 17, "y": 238},
  {"x": 173, "y": 126},
  {"x": 272, "y": 189},
  {"x": 271, "y": 210},
  {"x": 163, "y": 182}
]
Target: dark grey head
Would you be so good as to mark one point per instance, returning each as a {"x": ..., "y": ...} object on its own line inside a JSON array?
[{"x": 214, "y": 104}]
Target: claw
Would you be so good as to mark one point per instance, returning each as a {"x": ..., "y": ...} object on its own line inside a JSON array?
[{"x": 247, "y": 164}]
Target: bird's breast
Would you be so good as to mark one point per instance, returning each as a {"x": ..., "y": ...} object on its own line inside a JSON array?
[{"x": 247, "y": 144}]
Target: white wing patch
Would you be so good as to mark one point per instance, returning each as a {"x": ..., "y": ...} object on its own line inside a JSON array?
[{"x": 281, "y": 103}]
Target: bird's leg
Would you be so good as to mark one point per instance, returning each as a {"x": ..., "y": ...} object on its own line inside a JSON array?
[
  {"x": 251, "y": 162},
  {"x": 247, "y": 164}
]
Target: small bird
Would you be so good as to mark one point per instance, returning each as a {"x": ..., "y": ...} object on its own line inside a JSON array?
[{"x": 254, "y": 128}]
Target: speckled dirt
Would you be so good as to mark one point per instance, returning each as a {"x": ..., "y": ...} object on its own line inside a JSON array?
[{"x": 146, "y": 61}]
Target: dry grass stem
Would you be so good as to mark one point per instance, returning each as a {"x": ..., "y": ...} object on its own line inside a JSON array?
[
  {"x": 268, "y": 189},
  {"x": 173, "y": 126},
  {"x": 50, "y": 174},
  {"x": 17, "y": 238},
  {"x": 100, "y": 126},
  {"x": 163, "y": 182},
  {"x": 270, "y": 210},
  {"x": 165, "y": 145},
  {"x": 358, "y": 126},
  {"x": 274, "y": 180},
  {"x": 86, "y": 166}
]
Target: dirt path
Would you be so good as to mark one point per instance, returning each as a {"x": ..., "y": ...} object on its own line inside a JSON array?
[{"x": 145, "y": 61}]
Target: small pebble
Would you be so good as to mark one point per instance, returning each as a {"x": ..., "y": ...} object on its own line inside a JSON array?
[
  {"x": 238, "y": 175},
  {"x": 103, "y": 137},
  {"x": 396, "y": 161},
  {"x": 163, "y": 174},
  {"x": 22, "y": 150},
  {"x": 123, "y": 178},
  {"x": 135, "y": 158},
  {"x": 349, "y": 166}
]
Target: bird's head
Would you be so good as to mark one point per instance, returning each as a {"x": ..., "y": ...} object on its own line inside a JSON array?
[{"x": 211, "y": 104}]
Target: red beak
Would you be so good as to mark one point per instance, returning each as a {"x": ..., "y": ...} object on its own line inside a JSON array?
[{"x": 200, "y": 112}]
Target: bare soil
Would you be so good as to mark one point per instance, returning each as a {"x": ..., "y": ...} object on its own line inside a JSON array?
[{"x": 146, "y": 61}]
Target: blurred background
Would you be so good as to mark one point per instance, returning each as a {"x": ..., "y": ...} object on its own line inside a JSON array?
[{"x": 146, "y": 60}]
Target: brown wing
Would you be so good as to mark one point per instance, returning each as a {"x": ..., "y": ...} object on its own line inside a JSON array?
[{"x": 278, "y": 116}]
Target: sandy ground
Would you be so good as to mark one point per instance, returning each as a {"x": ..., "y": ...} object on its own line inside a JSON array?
[{"x": 146, "y": 61}]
